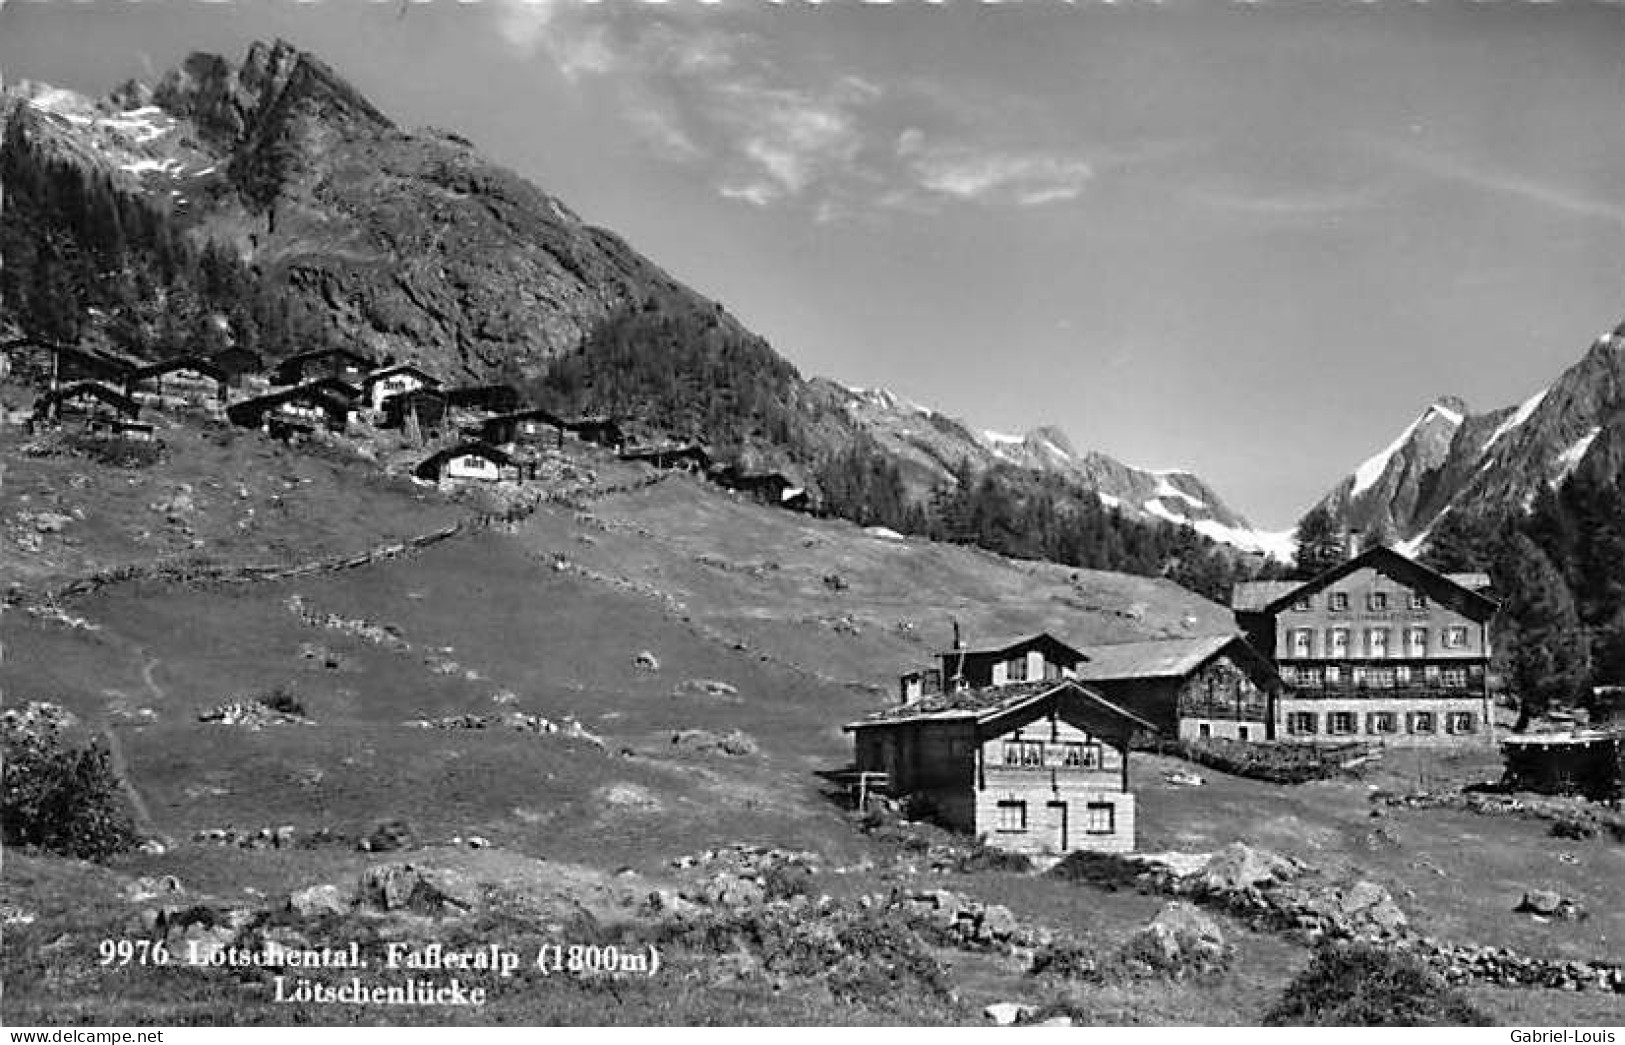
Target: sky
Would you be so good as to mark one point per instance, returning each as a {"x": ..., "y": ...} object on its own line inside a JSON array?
[{"x": 1253, "y": 240}]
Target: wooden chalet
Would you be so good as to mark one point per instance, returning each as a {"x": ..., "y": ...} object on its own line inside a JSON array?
[
  {"x": 469, "y": 461},
  {"x": 188, "y": 379},
  {"x": 686, "y": 457},
  {"x": 30, "y": 359},
  {"x": 77, "y": 363},
  {"x": 596, "y": 428},
  {"x": 486, "y": 399},
  {"x": 105, "y": 427},
  {"x": 238, "y": 364},
  {"x": 345, "y": 364},
  {"x": 1589, "y": 763},
  {"x": 1002, "y": 661},
  {"x": 84, "y": 401},
  {"x": 424, "y": 407},
  {"x": 1208, "y": 687},
  {"x": 292, "y": 411},
  {"x": 1034, "y": 767},
  {"x": 1380, "y": 649},
  {"x": 773, "y": 488},
  {"x": 531, "y": 427},
  {"x": 394, "y": 379}
]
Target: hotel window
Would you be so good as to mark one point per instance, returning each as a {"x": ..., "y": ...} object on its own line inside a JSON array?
[
  {"x": 1334, "y": 675},
  {"x": 1340, "y": 723},
  {"x": 1381, "y": 722},
  {"x": 1012, "y": 816},
  {"x": 1418, "y": 601},
  {"x": 1204, "y": 731},
  {"x": 1376, "y": 642},
  {"x": 1455, "y": 638},
  {"x": 1402, "y": 675},
  {"x": 1430, "y": 674},
  {"x": 1460, "y": 722},
  {"x": 1340, "y": 642},
  {"x": 1303, "y": 604},
  {"x": 1380, "y": 678},
  {"x": 1455, "y": 678},
  {"x": 1309, "y": 678},
  {"x": 1025, "y": 754},
  {"x": 1339, "y": 601},
  {"x": 1422, "y": 722},
  {"x": 1080, "y": 756},
  {"x": 1100, "y": 818},
  {"x": 1416, "y": 641},
  {"x": 1243, "y": 734},
  {"x": 1016, "y": 670},
  {"x": 1302, "y": 723},
  {"x": 1377, "y": 600},
  {"x": 1302, "y": 642}
]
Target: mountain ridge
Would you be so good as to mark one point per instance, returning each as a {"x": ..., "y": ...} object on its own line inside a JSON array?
[
  {"x": 1497, "y": 460},
  {"x": 409, "y": 244}
]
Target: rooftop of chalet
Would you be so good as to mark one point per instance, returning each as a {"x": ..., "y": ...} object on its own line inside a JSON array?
[
  {"x": 980, "y": 705},
  {"x": 1155, "y": 658}
]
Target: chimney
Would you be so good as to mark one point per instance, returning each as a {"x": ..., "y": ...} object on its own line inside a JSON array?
[
  {"x": 1351, "y": 544},
  {"x": 957, "y": 643}
]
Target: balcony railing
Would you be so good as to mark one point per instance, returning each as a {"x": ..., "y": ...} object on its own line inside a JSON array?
[{"x": 1369, "y": 692}]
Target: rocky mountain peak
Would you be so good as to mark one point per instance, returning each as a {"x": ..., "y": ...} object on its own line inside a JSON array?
[
  {"x": 1054, "y": 437},
  {"x": 231, "y": 103}
]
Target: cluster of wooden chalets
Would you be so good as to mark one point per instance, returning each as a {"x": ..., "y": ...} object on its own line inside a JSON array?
[{"x": 480, "y": 433}]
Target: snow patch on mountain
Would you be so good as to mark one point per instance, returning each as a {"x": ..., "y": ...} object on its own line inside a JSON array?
[
  {"x": 1372, "y": 468},
  {"x": 1167, "y": 489},
  {"x": 1570, "y": 458},
  {"x": 1002, "y": 438},
  {"x": 1525, "y": 410}
]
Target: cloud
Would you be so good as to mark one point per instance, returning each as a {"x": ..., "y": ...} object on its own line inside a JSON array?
[
  {"x": 1487, "y": 178},
  {"x": 1026, "y": 178},
  {"x": 767, "y": 122}
]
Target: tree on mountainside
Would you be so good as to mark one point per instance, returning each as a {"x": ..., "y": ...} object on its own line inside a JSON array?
[
  {"x": 1320, "y": 543},
  {"x": 1549, "y": 659},
  {"x": 1460, "y": 541}
]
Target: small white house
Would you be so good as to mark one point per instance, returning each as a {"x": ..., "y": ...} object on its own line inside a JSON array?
[{"x": 393, "y": 380}]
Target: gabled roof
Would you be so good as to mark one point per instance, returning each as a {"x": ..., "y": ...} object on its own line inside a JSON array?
[
  {"x": 533, "y": 413},
  {"x": 1402, "y": 568},
  {"x": 1005, "y": 643},
  {"x": 470, "y": 449},
  {"x": 188, "y": 362},
  {"x": 331, "y": 350},
  {"x": 335, "y": 386},
  {"x": 112, "y": 397},
  {"x": 985, "y": 705},
  {"x": 1249, "y": 596},
  {"x": 374, "y": 376},
  {"x": 1153, "y": 659},
  {"x": 316, "y": 393}
]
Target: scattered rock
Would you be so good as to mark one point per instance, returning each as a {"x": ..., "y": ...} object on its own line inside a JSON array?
[
  {"x": 735, "y": 743},
  {"x": 318, "y": 900},
  {"x": 1549, "y": 904},
  {"x": 389, "y": 836},
  {"x": 629, "y": 796},
  {"x": 1179, "y": 941},
  {"x": 709, "y": 688},
  {"x": 647, "y": 661},
  {"x": 402, "y": 887},
  {"x": 145, "y": 888},
  {"x": 1007, "y": 1013}
]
